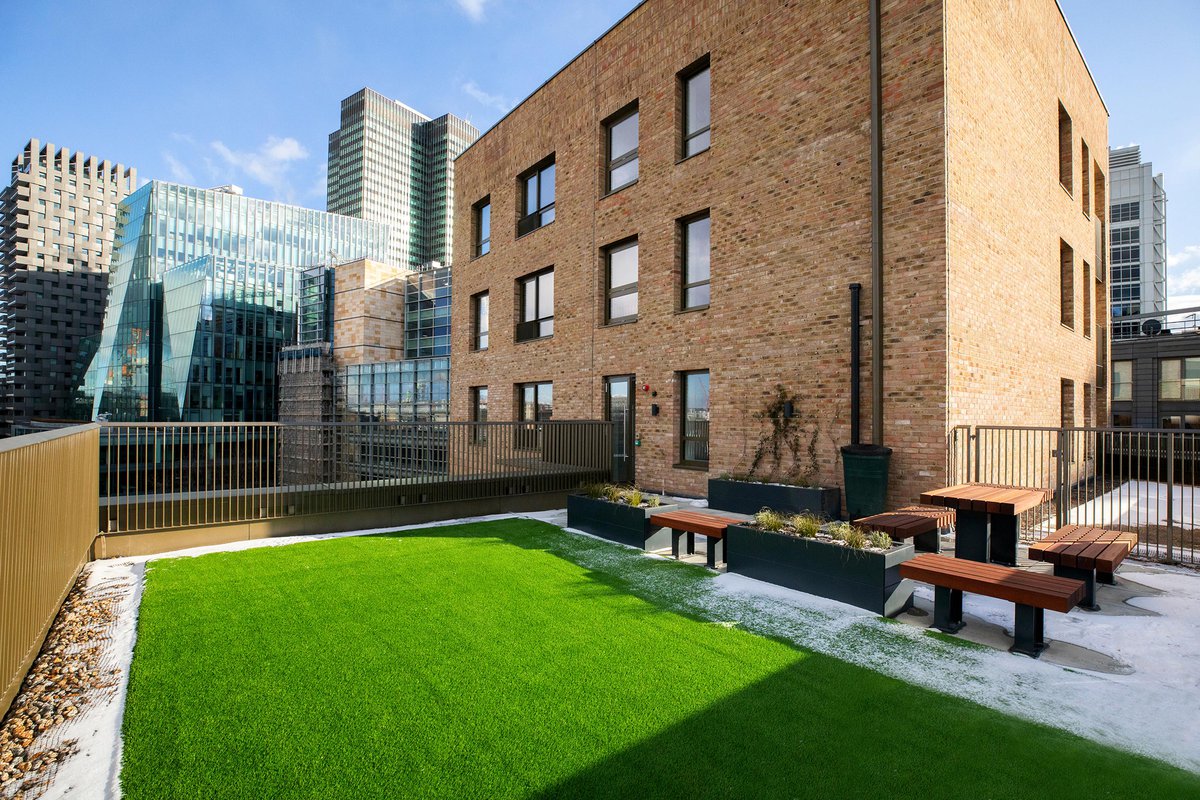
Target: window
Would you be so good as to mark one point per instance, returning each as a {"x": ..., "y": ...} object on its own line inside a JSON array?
[
  {"x": 1122, "y": 420},
  {"x": 621, "y": 275},
  {"x": 483, "y": 227},
  {"x": 696, "y": 93},
  {"x": 1068, "y": 403},
  {"x": 1098, "y": 192},
  {"x": 1085, "y": 158},
  {"x": 1179, "y": 379},
  {"x": 480, "y": 313},
  {"x": 1184, "y": 421},
  {"x": 537, "y": 191},
  {"x": 1126, "y": 212},
  {"x": 1065, "y": 170},
  {"x": 696, "y": 251},
  {"x": 621, "y": 134},
  {"x": 1066, "y": 257},
  {"x": 535, "y": 401},
  {"x": 536, "y": 297},
  {"x": 479, "y": 411},
  {"x": 1087, "y": 300},
  {"x": 693, "y": 429}
]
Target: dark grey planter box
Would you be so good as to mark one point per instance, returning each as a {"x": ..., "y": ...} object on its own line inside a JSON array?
[
  {"x": 858, "y": 577},
  {"x": 618, "y": 522},
  {"x": 745, "y": 497}
]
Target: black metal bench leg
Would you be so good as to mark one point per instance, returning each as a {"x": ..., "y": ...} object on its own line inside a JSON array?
[
  {"x": 691, "y": 550},
  {"x": 1005, "y": 533},
  {"x": 928, "y": 542},
  {"x": 1029, "y": 631},
  {"x": 947, "y": 609},
  {"x": 1088, "y": 576},
  {"x": 716, "y": 551},
  {"x": 675, "y": 543},
  {"x": 1107, "y": 578},
  {"x": 972, "y": 535}
]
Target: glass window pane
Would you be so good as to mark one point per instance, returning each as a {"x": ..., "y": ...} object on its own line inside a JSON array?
[
  {"x": 624, "y": 174},
  {"x": 545, "y": 401},
  {"x": 697, "y": 144},
  {"x": 623, "y": 266},
  {"x": 546, "y": 295},
  {"x": 547, "y": 216},
  {"x": 697, "y": 102},
  {"x": 485, "y": 222},
  {"x": 547, "y": 186},
  {"x": 529, "y": 307},
  {"x": 698, "y": 249},
  {"x": 531, "y": 194},
  {"x": 623, "y": 137},
  {"x": 697, "y": 296},
  {"x": 623, "y": 306}
]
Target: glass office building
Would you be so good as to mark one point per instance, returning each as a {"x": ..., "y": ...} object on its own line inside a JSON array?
[
  {"x": 393, "y": 164},
  {"x": 427, "y": 314},
  {"x": 204, "y": 293},
  {"x": 394, "y": 391}
]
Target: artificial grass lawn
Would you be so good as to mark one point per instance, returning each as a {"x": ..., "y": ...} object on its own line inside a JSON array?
[{"x": 480, "y": 660}]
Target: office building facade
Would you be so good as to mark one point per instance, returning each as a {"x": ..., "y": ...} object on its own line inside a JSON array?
[
  {"x": 665, "y": 233},
  {"x": 57, "y": 218},
  {"x": 204, "y": 295},
  {"x": 392, "y": 164},
  {"x": 1138, "y": 239}
]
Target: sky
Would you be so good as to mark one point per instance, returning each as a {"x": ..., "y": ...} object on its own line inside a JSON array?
[{"x": 247, "y": 92}]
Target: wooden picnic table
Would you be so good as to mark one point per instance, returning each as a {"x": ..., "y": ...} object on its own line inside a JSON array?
[
  {"x": 1085, "y": 553},
  {"x": 988, "y": 522}
]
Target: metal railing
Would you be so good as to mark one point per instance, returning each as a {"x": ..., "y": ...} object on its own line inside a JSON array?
[
  {"x": 160, "y": 476},
  {"x": 48, "y": 495},
  {"x": 1136, "y": 479}
]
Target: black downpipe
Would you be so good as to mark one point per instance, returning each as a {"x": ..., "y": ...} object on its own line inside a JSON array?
[
  {"x": 855, "y": 363},
  {"x": 876, "y": 227}
]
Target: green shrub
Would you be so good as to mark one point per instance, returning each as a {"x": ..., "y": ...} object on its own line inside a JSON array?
[
  {"x": 612, "y": 493},
  {"x": 881, "y": 540},
  {"x": 593, "y": 491},
  {"x": 634, "y": 497},
  {"x": 855, "y": 537},
  {"x": 769, "y": 520},
  {"x": 654, "y": 500},
  {"x": 838, "y": 530},
  {"x": 806, "y": 525}
]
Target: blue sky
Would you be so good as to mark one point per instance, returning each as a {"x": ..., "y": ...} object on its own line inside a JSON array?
[{"x": 246, "y": 92}]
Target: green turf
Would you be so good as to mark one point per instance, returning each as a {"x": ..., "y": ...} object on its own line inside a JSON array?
[{"x": 482, "y": 661}]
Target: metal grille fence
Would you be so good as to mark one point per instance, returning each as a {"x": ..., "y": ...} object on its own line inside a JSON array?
[
  {"x": 160, "y": 476},
  {"x": 1135, "y": 479}
]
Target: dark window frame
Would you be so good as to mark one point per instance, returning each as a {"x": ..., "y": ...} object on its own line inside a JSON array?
[
  {"x": 479, "y": 403},
  {"x": 684, "y": 225},
  {"x": 613, "y": 292},
  {"x": 528, "y": 222},
  {"x": 480, "y": 338},
  {"x": 481, "y": 245},
  {"x": 684, "y": 437},
  {"x": 615, "y": 162},
  {"x": 1066, "y": 150},
  {"x": 693, "y": 70},
  {"x": 1066, "y": 284},
  {"x": 530, "y": 330}
]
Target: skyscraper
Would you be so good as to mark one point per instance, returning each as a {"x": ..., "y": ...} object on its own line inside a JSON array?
[
  {"x": 57, "y": 216},
  {"x": 204, "y": 295},
  {"x": 1138, "y": 238},
  {"x": 392, "y": 164}
]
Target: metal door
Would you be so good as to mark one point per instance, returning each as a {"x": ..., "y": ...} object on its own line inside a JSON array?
[{"x": 618, "y": 409}]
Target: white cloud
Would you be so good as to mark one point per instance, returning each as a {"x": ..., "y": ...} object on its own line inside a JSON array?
[
  {"x": 1187, "y": 255},
  {"x": 177, "y": 169},
  {"x": 472, "y": 8},
  {"x": 270, "y": 164},
  {"x": 495, "y": 101},
  {"x": 321, "y": 184}
]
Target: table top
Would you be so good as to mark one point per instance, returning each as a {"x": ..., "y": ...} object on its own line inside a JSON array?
[
  {"x": 1084, "y": 547},
  {"x": 1006, "y": 500}
]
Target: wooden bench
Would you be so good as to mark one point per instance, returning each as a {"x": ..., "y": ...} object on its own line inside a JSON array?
[
  {"x": 919, "y": 523},
  {"x": 692, "y": 522},
  {"x": 1032, "y": 593},
  {"x": 1085, "y": 553}
]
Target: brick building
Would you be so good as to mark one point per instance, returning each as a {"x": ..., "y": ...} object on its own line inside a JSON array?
[{"x": 672, "y": 221}]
